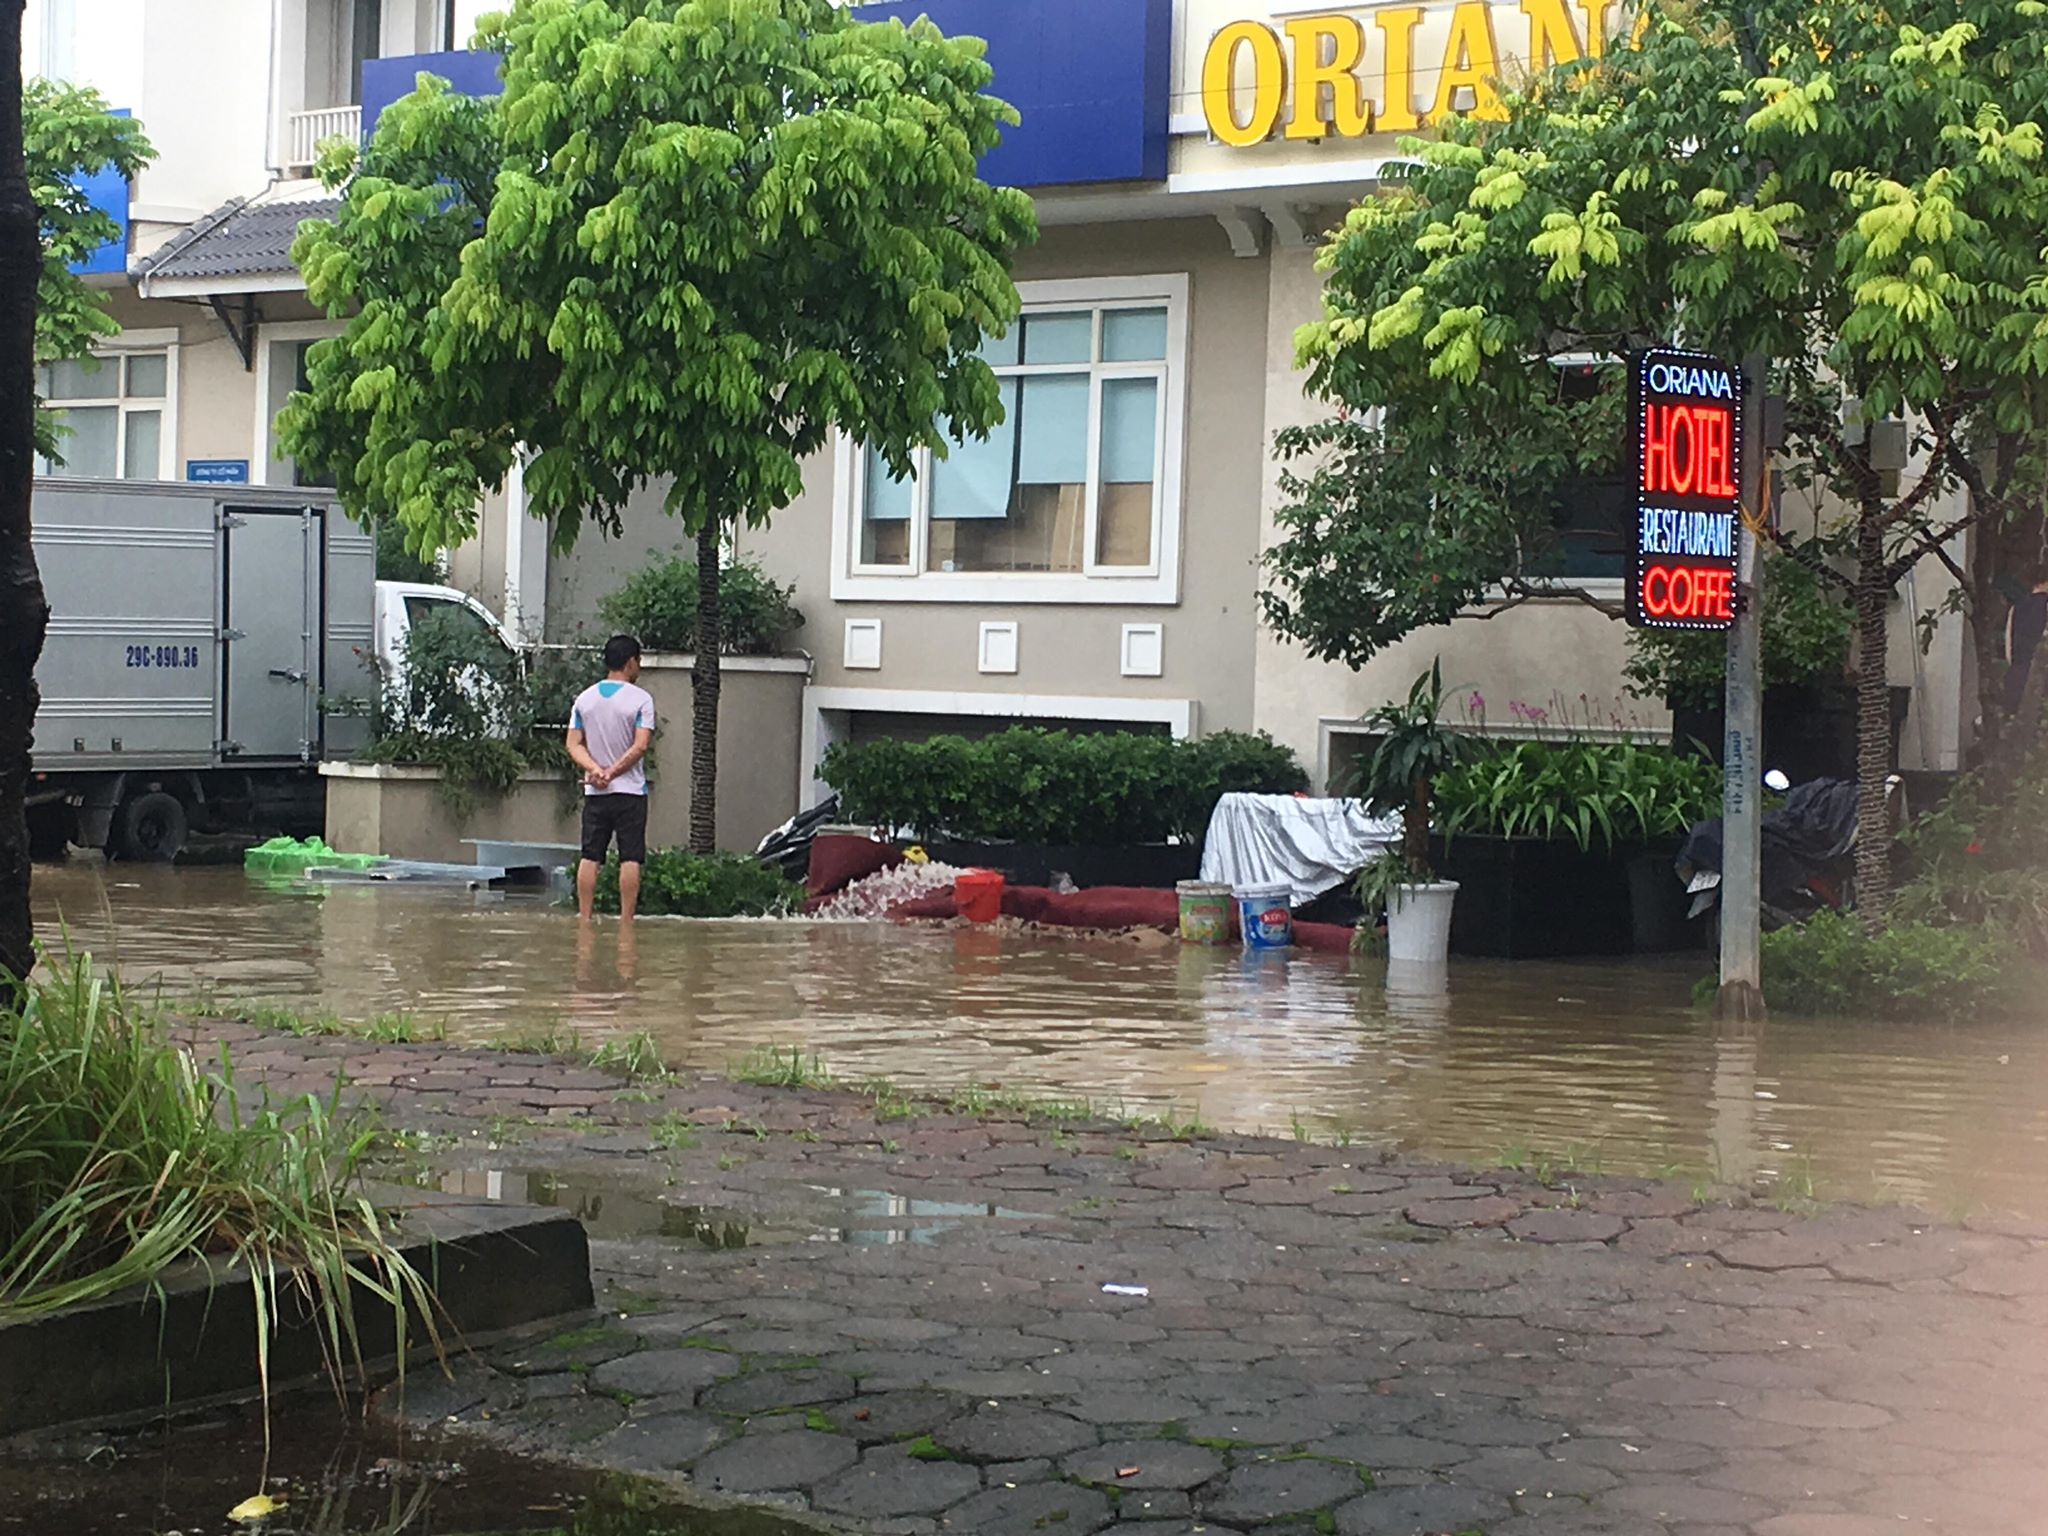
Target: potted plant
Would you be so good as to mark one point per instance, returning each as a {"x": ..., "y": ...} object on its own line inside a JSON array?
[{"x": 1398, "y": 779}]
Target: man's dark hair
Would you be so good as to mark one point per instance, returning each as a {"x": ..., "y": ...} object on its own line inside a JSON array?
[{"x": 619, "y": 650}]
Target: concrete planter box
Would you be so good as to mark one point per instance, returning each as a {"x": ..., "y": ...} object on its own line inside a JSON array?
[
  {"x": 1525, "y": 898},
  {"x": 493, "y": 1267},
  {"x": 378, "y": 808}
]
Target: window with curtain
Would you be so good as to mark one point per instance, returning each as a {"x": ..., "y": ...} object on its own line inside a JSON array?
[
  {"x": 1068, "y": 483},
  {"x": 113, "y": 409}
]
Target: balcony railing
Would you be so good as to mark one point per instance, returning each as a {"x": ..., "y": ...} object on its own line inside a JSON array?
[{"x": 305, "y": 132}]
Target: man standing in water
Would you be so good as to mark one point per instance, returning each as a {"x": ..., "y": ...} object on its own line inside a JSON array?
[{"x": 609, "y": 734}]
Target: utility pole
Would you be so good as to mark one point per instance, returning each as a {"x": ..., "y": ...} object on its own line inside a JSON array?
[{"x": 1742, "y": 994}]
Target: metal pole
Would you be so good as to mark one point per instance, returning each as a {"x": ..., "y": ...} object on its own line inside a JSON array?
[{"x": 1742, "y": 996}]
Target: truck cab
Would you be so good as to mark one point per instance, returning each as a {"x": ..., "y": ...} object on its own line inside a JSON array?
[{"x": 402, "y": 604}]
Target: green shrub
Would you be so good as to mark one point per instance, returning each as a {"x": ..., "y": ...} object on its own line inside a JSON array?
[
  {"x": 658, "y": 604},
  {"x": 1595, "y": 794},
  {"x": 1806, "y": 630},
  {"x": 1909, "y": 970},
  {"x": 1028, "y": 785},
  {"x": 467, "y": 708},
  {"x": 1982, "y": 858},
  {"x": 678, "y": 884}
]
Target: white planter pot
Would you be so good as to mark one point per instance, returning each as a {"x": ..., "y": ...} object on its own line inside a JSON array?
[{"x": 1419, "y": 922}]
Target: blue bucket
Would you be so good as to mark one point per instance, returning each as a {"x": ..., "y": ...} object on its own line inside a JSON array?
[{"x": 1263, "y": 916}]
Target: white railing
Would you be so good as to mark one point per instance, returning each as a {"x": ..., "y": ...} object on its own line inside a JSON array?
[{"x": 305, "y": 132}]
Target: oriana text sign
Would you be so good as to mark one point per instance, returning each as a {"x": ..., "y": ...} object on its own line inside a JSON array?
[{"x": 1685, "y": 410}]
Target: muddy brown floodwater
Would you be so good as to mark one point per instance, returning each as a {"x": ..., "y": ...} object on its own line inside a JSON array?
[{"x": 1591, "y": 1065}]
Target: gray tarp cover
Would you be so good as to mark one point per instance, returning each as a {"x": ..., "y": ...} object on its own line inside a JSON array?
[{"x": 1310, "y": 846}]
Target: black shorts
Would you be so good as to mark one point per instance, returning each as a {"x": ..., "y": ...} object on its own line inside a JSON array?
[{"x": 606, "y": 816}]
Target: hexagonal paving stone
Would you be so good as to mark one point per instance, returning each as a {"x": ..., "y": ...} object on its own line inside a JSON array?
[
  {"x": 1482, "y": 1211},
  {"x": 1420, "y": 1511},
  {"x": 889, "y": 1484},
  {"x": 886, "y": 1416},
  {"x": 765, "y": 1390},
  {"x": 578, "y": 1346},
  {"x": 1030, "y": 1511},
  {"x": 1115, "y": 1405},
  {"x": 760, "y": 1463},
  {"x": 1158, "y": 1464},
  {"x": 1279, "y": 1426},
  {"x": 1531, "y": 1474},
  {"x": 1389, "y": 1452},
  {"x": 1672, "y": 1502},
  {"x": 663, "y": 1372},
  {"x": 1269, "y": 1490},
  {"x": 662, "y": 1441},
  {"x": 1567, "y": 1226},
  {"x": 1010, "y": 1433}
]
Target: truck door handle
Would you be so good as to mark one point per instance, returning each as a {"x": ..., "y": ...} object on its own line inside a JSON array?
[{"x": 288, "y": 674}]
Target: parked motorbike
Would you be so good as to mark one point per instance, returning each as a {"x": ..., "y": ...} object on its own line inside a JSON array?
[
  {"x": 1809, "y": 853},
  {"x": 788, "y": 847}
]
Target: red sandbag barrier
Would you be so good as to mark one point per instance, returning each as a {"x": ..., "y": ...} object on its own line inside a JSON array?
[
  {"x": 838, "y": 861},
  {"x": 1110, "y": 907}
]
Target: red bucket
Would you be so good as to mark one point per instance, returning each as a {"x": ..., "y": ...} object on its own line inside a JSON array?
[{"x": 978, "y": 895}]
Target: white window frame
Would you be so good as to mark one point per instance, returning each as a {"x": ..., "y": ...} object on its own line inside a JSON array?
[
  {"x": 1157, "y": 582},
  {"x": 279, "y": 334},
  {"x": 117, "y": 350},
  {"x": 1606, "y": 589}
]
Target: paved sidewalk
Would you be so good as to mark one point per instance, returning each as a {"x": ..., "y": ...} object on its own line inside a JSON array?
[{"x": 903, "y": 1323}]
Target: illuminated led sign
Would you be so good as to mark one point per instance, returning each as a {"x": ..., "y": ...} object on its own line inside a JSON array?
[{"x": 1685, "y": 409}]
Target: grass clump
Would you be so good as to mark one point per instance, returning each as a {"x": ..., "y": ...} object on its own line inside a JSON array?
[
  {"x": 119, "y": 1158},
  {"x": 772, "y": 1067},
  {"x": 925, "y": 1448},
  {"x": 635, "y": 1057}
]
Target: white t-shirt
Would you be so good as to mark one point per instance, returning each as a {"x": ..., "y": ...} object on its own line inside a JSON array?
[{"x": 608, "y": 714}]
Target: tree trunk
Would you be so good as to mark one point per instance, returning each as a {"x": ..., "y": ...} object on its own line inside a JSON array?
[
  {"x": 1987, "y": 641},
  {"x": 24, "y": 614},
  {"x": 704, "y": 681},
  {"x": 1873, "y": 724},
  {"x": 1415, "y": 831}
]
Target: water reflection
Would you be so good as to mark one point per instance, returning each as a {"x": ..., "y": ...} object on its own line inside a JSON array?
[{"x": 1608, "y": 1060}]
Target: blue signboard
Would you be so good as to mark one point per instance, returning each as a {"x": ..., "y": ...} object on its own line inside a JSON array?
[
  {"x": 1090, "y": 78},
  {"x": 387, "y": 80},
  {"x": 217, "y": 471},
  {"x": 107, "y": 192}
]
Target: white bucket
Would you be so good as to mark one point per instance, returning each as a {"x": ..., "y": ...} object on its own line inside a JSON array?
[{"x": 1419, "y": 922}]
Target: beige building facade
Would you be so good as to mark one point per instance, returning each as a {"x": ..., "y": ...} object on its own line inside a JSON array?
[{"x": 1096, "y": 562}]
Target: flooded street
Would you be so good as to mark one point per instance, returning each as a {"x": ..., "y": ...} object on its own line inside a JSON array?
[{"x": 1588, "y": 1065}]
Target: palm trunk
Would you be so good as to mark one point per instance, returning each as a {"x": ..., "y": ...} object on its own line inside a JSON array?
[
  {"x": 704, "y": 681},
  {"x": 1873, "y": 724},
  {"x": 24, "y": 614}
]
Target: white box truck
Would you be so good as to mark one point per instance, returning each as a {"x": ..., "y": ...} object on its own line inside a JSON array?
[{"x": 209, "y": 646}]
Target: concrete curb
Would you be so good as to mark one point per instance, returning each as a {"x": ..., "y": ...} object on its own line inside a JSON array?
[{"x": 192, "y": 1339}]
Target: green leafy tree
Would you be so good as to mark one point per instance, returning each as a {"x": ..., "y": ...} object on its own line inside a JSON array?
[
  {"x": 51, "y": 137},
  {"x": 1856, "y": 190},
  {"x": 689, "y": 240}
]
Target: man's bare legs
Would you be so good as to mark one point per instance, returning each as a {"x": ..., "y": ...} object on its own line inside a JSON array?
[
  {"x": 629, "y": 890},
  {"x": 586, "y": 886}
]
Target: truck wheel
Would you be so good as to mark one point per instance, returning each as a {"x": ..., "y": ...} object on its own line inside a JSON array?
[
  {"x": 50, "y": 830},
  {"x": 152, "y": 828}
]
